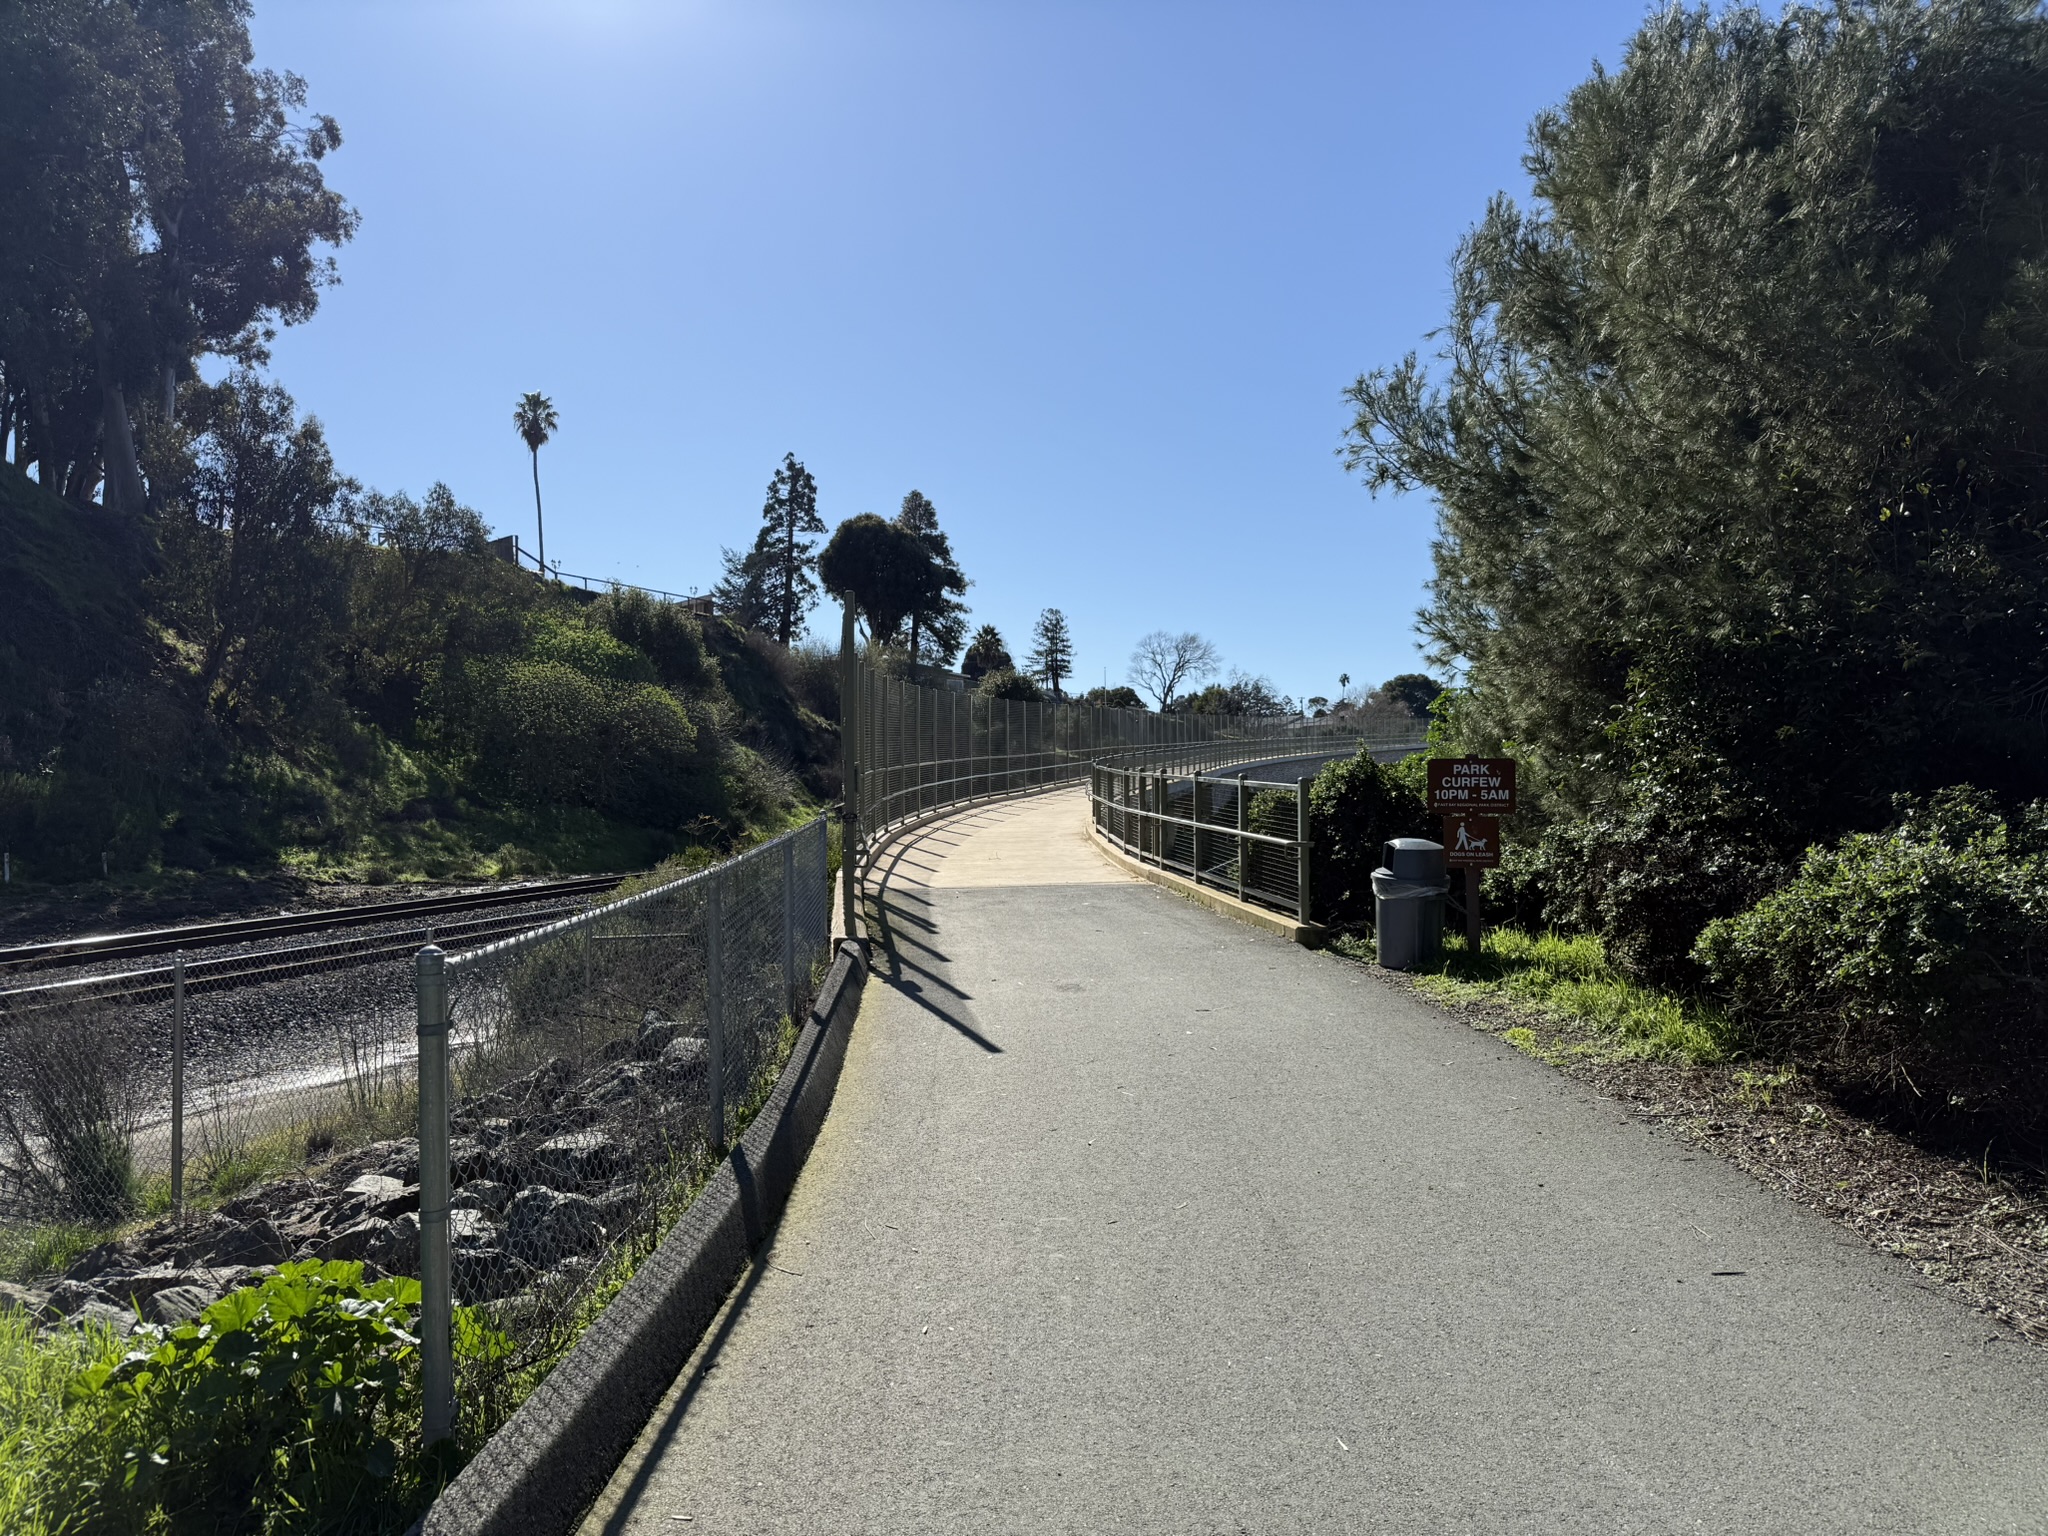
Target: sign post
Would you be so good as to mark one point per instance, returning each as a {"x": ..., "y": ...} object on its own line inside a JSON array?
[{"x": 1472, "y": 794}]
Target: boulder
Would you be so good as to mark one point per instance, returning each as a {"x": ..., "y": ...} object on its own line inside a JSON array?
[
  {"x": 544, "y": 1226},
  {"x": 270, "y": 1199},
  {"x": 577, "y": 1159},
  {"x": 469, "y": 1227},
  {"x": 96, "y": 1261},
  {"x": 467, "y": 1158},
  {"x": 378, "y": 1194},
  {"x": 357, "y": 1242},
  {"x": 68, "y": 1297},
  {"x": 495, "y": 1132},
  {"x": 22, "y": 1298},
  {"x": 684, "y": 1057},
  {"x": 656, "y": 1034},
  {"x": 621, "y": 1083},
  {"x": 481, "y": 1195},
  {"x": 111, "y": 1317},
  {"x": 255, "y": 1242},
  {"x": 398, "y": 1160},
  {"x": 178, "y": 1304},
  {"x": 396, "y": 1250}
]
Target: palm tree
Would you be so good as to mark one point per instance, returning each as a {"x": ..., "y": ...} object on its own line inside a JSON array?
[{"x": 535, "y": 418}]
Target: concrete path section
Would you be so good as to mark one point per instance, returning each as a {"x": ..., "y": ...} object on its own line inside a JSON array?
[{"x": 1128, "y": 1219}]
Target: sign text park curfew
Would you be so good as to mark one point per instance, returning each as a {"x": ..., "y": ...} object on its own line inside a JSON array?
[{"x": 1479, "y": 786}]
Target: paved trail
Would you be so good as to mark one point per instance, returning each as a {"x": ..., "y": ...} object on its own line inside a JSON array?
[{"x": 1128, "y": 1218}]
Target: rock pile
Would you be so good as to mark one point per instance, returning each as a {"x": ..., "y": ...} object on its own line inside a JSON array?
[{"x": 546, "y": 1169}]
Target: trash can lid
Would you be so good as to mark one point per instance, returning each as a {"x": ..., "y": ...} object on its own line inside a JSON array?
[{"x": 1415, "y": 858}]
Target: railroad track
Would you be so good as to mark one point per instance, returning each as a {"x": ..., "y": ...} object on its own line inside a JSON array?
[
  {"x": 257, "y": 967},
  {"x": 164, "y": 941}
]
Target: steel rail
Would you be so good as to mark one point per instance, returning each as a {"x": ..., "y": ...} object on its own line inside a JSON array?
[
  {"x": 163, "y": 941},
  {"x": 255, "y": 968}
]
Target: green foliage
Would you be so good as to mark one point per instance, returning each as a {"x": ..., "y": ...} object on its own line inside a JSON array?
[
  {"x": 986, "y": 653},
  {"x": 1570, "y": 979},
  {"x": 885, "y": 569},
  {"x": 594, "y": 652},
  {"x": 936, "y": 627},
  {"x": 554, "y": 735},
  {"x": 1006, "y": 684},
  {"x": 41, "y": 1424},
  {"x": 773, "y": 585},
  {"x": 163, "y": 200},
  {"x": 1914, "y": 961},
  {"x": 1052, "y": 649},
  {"x": 664, "y": 633},
  {"x": 1734, "y": 440},
  {"x": 1118, "y": 696},
  {"x": 289, "y": 1405},
  {"x": 1355, "y": 805}
]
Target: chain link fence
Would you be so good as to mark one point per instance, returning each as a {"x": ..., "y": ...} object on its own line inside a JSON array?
[
  {"x": 172, "y": 1087},
  {"x": 576, "y": 1085},
  {"x": 169, "y": 1129}
]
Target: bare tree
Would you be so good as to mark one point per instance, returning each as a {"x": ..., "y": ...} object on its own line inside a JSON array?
[{"x": 1162, "y": 662}]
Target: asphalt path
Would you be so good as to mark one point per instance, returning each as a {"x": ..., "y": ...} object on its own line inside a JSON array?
[{"x": 1128, "y": 1218}]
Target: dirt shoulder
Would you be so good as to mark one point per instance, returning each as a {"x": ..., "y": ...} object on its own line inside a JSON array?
[{"x": 1978, "y": 1230}]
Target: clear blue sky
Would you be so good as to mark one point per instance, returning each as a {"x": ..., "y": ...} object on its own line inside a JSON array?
[{"x": 1091, "y": 276}]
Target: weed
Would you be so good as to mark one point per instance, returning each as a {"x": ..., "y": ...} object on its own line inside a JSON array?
[
  {"x": 1570, "y": 979},
  {"x": 39, "y": 1425}
]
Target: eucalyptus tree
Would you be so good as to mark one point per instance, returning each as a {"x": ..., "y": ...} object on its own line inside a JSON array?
[{"x": 161, "y": 199}]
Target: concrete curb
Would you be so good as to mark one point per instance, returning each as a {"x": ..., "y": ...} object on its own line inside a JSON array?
[
  {"x": 542, "y": 1470},
  {"x": 1308, "y": 935}
]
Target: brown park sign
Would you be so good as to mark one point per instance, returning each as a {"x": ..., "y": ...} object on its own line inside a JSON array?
[
  {"x": 1482, "y": 786},
  {"x": 1471, "y": 842}
]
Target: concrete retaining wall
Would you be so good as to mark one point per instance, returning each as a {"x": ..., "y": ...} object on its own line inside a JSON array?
[{"x": 539, "y": 1473}]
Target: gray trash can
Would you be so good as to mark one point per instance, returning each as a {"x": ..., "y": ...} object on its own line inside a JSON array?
[{"x": 1408, "y": 891}]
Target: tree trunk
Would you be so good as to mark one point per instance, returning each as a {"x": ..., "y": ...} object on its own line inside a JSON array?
[
  {"x": 48, "y": 471},
  {"x": 123, "y": 491},
  {"x": 784, "y": 621},
  {"x": 540, "y": 528}
]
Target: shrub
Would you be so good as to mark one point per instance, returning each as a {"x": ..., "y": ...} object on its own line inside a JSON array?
[
  {"x": 1646, "y": 875},
  {"x": 665, "y": 633},
  {"x": 1006, "y": 684},
  {"x": 1914, "y": 959},
  {"x": 1355, "y": 805},
  {"x": 66, "y": 1127},
  {"x": 284, "y": 1407}
]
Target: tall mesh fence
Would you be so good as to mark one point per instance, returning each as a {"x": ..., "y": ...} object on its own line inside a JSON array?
[
  {"x": 920, "y": 749},
  {"x": 597, "y": 1070}
]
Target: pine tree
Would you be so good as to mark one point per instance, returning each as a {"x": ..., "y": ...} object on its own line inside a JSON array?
[
  {"x": 936, "y": 628},
  {"x": 773, "y": 585},
  {"x": 1052, "y": 650}
]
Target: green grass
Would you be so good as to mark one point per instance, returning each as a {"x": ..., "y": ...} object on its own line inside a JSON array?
[
  {"x": 1568, "y": 980},
  {"x": 39, "y": 1427}
]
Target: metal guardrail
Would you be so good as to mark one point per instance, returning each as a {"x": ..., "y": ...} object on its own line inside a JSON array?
[{"x": 1213, "y": 828}]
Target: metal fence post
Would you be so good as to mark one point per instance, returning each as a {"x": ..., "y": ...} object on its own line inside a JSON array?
[
  {"x": 849, "y": 769},
  {"x": 1302, "y": 872},
  {"x": 178, "y": 1089},
  {"x": 437, "y": 1302},
  {"x": 1195, "y": 828},
  {"x": 789, "y": 926},
  {"x": 714, "y": 1004},
  {"x": 1244, "y": 848}
]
